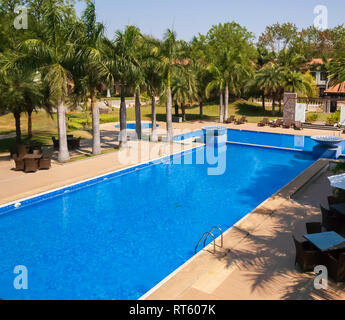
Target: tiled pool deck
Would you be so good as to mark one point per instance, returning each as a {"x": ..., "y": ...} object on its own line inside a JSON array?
[{"x": 258, "y": 257}]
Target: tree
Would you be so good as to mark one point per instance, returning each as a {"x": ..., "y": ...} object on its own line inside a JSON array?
[
  {"x": 52, "y": 52},
  {"x": 90, "y": 71},
  {"x": 184, "y": 88},
  {"x": 217, "y": 83},
  {"x": 170, "y": 58},
  {"x": 151, "y": 68},
  {"x": 124, "y": 63}
]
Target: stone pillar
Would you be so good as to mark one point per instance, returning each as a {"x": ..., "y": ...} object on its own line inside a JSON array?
[{"x": 290, "y": 101}]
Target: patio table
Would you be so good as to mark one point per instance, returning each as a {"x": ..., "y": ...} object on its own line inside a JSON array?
[
  {"x": 326, "y": 241},
  {"x": 32, "y": 156}
]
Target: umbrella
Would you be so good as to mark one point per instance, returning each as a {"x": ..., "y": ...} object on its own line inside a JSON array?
[{"x": 338, "y": 181}]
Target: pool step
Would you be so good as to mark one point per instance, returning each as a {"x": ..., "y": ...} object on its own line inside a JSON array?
[{"x": 206, "y": 235}]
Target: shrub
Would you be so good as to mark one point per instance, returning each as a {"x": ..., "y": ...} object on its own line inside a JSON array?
[
  {"x": 74, "y": 125},
  {"x": 334, "y": 118},
  {"x": 311, "y": 117},
  {"x": 105, "y": 118}
]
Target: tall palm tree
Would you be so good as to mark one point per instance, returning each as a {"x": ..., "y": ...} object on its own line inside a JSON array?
[
  {"x": 90, "y": 70},
  {"x": 270, "y": 81},
  {"x": 53, "y": 54},
  {"x": 20, "y": 93},
  {"x": 170, "y": 58},
  {"x": 184, "y": 88},
  {"x": 151, "y": 68},
  {"x": 295, "y": 81},
  {"x": 217, "y": 83},
  {"x": 124, "y": 61}
]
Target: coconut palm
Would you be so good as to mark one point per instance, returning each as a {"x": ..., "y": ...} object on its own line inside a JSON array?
[
  {"x": 270, "y": 80},
  {"x": 217, "y": 83},
  {"x": 90, "y": 70},
  {"x": 295, "y": 81},
  {"x": 52, "y": 53},
  {"x": 170, "y": 59},
  {"x": 122, "y": 53},
  {"x": 151, "y": 68},
  {"x": 184, "y": 88}
]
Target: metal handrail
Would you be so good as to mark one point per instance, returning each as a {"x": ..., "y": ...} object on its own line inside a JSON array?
[
  {"x": 214, "y": 242},
  {"x": 221, "y": 234}
]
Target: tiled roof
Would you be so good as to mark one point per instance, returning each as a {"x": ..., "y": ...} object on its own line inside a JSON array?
[
  {"x": 315, "y": 61},
  {"x": 338, "y": 88}
]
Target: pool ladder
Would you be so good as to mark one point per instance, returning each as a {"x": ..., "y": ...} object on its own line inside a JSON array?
[{"x": 206, "y": 235}]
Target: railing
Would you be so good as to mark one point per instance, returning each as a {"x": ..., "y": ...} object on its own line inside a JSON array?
[{"x": 206, "y": 235}]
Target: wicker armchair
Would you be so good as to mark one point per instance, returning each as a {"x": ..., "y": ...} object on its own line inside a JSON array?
[
  {"x": 335, "y": 263},
  {"x": 306, "y": 256},
  {"x": 19, "y": 163}
]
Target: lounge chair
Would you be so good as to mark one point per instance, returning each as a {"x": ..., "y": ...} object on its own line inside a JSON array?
[
  {"x": 242, "y": 120},
  {"x": 264, "y": 122},
  {"x": 277, "y": 123},
  {"x": 298, "y": 125},
  {"x": 287, "y": 124},
  {"x": 31, "y": 165},
  {"x": 335, "y": 263},
  {"x": 231, "y": 119},
  {"x": 19, "y": 162},
  {"x": 306, "y": 256}
]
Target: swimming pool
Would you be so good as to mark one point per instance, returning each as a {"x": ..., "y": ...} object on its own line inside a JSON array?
[
  {"x": 132, "y": 126},
  {"x": 116, "y": 237}
]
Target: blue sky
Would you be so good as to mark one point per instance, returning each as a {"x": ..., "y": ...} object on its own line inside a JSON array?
[{"x": 189, "y": 17}]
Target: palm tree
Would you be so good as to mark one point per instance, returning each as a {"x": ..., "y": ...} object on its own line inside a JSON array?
[
  {"x": 124, "y": 61},
  {"x": 151, "y": 68},
  {"x": 184, "y": 88},
  {"x": 270, "y": 80},
  {"x": 19, "y": 92},
  {"x": 295, "y": 81},
  {"x": 53, "y": 54},
  {"x": 217, "y": 83},
  {"x": 90, "y": 70},
  {"x": 170, "y": 58}
]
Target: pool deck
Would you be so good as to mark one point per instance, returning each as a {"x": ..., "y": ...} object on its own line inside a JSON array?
[{"x": 257, "y": 261}]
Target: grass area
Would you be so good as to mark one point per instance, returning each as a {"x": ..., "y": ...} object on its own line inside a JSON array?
[{"x": 45, "y": 126}]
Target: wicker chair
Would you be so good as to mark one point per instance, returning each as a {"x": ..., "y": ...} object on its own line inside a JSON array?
[
  {"x": 335, "y": 263},
  {"x": 314, "y": 227},
  {"x": 242, "y": 120},
  {"x": 44, "y": 163},
  {"x": 19, "y": 163},
  {"x": 306, "y": 256},
  {"x": 329, "y": 219},
  {"x": 31, "y": 165},
  {"x": 287, "y": 124}
]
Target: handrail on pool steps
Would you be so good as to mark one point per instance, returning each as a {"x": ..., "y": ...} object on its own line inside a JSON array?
[{"x": 206, "y": 235}]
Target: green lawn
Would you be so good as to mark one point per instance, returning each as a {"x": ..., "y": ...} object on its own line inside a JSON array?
[{"x": 45, "y": 126}]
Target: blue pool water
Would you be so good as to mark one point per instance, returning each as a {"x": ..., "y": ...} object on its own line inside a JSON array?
[
  {"x": 116, "y": 239},
  {"x": 144, "y": 125}
]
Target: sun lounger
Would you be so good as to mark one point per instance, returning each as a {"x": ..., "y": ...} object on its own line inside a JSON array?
[
  {"x": 264, "y": 122},
  {"x": 287, "y": 124},
  {"x": 231, "y": 119},
  {"x": 241, "y": 121},
  {"x": 277, "y": 123},
  {"x": 298, "y": 125}
]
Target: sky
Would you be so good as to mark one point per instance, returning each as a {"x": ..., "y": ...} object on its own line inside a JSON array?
[{"x": 190, "y": 17}]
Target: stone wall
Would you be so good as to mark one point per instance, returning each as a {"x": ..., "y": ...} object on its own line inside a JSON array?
[{"x": 290, "y": 101}]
